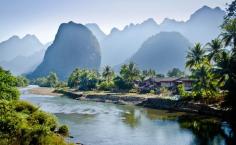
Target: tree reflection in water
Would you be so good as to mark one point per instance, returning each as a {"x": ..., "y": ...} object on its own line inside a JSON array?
[
  {"x": 207, "y": 131},
  {"x": 131, "y": 118}
]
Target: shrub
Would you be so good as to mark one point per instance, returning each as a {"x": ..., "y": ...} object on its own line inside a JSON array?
[
  {"x": 63, "y": 130},
  {"x": 106, "y": 86}
]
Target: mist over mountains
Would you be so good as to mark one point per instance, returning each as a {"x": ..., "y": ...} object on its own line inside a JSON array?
[
  {"x": 21, "y": 55},
  {"x": 16, "y": 46},
  {"x": 163, "y": 51},
  {"x": 148, "y": 44},
  {"x": 120, "y": 45}
]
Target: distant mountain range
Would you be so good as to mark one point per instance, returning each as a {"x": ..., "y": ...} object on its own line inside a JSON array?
[
  {"x": 16, "y": 46},
  {"x": 162, "y": 52},
  {"x": 24, "y": 64},
  {"x": 77, "y": 45},
  {"x": 21, "y": 55},
  {"x": 120, "y": 45},
  {"x": 74, "y": 46}
]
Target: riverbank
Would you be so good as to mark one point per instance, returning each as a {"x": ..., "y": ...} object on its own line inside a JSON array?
[
  {"x": 44, "y": 91},
  {"x": 144, "y": 100}
]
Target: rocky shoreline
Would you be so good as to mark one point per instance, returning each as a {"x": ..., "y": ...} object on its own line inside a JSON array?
[{"x": 149, "y": 102}]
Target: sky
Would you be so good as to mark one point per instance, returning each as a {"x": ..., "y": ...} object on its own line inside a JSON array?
[{"x": 43, "y": 17}]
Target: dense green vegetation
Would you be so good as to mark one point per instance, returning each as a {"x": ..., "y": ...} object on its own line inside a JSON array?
[
  {"x": 175, "y": 72},
  {"x": 22, "y": 123},
  {"x": 83, "y": 79},
  {"x": 8, "y": 83},
  {"x": 49, "y": 81},
  {"x": 22, "y": 81}
]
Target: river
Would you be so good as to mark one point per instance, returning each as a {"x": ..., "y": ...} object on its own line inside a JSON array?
[{"x": 94, "y": 123}]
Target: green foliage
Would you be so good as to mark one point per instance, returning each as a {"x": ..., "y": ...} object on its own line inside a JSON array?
[
  {"x": 50, "y": 81},
  {"x": 106, "y": 86},
  {"x": 83, "y": 79},
  {"x": 63, "y": 130},
  {"x": 42, "y": 82},
  {"x": 128, "y": 75},
  {"x": 121, "y": 84},
  {"x": 22, "y": 123},
  {"x": 22, "y": 81},
  {"x": 195, "y": 56},
  {"x": 8, "y": 83},
  {"x": 214, "y": 49},
  {"x": 107, "y": 83},
  {"x": 181, "y": 91},
  {"x": 230, "y": 13},
  {"x": 108, "y": 74},
  {"x": 229, "y": 34},
  {"x": 175, "y": 72}
]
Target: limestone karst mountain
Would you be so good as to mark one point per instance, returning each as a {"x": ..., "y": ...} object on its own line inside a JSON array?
[
  {"x": 74, "y": 46},
  {"x": 162, "y": 52}
]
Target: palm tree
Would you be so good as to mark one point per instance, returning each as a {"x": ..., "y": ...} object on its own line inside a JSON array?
[
  {"x": 223, "y": 70},
  {"x": 195, "y": 56},
  {"x": 129, "y": 72},
  {"x": 214, "y": 49},
  {"x": 229, "y": 34},
  {"x": 108, "y": 74}
]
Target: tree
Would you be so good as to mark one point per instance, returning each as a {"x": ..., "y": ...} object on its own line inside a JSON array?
[
  {"x": 230, "y": 12},
  {"x": 129, "y": 72},
  {"x": 202, "y": 73},
  {"x": 205, "y": 84},
  {"x": 128, "y": 75},
  {"x": 175, "y": 72},
  {"x": 22, "y": 81},
  {"x": 214, "y": 49},
  {"x": 227, "y": 64},
  {"x": 108, "y": 74},
  {"x": 229, "y": 34},
  {"x": 8, "y": 84},
  {"x": 147, "y": 74},
  {"x": 107, "y": 82},
  {"x": 83, "y": 79},
  {"x": 73, "y": 80},
  {"x": 195, "y": 56},
  {"x": 52, "y": 79}
]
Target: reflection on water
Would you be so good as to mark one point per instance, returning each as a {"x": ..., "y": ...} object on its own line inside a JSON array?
[{"x": 109, "y": 124}]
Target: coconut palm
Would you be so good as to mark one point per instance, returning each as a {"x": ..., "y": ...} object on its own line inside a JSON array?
[
  {"x": 214, "y": 48},
  {"x": 130, "y": 72},
  {"x": 229, "y": 34},
  {"x": 222, "y": 69},
  {"x": 108, "y": 74},
  {"x": 195, "y": 56}
]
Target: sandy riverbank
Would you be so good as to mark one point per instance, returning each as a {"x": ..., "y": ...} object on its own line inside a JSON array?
[{"x": 44, "y": 91}]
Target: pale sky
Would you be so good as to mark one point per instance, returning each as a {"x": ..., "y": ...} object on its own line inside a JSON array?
[{"x": 42, "y": 17}]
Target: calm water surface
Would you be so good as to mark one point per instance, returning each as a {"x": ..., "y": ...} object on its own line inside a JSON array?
[{"x": 94, "y": 123}]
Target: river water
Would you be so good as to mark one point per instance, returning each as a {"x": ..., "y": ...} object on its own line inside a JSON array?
[{"x": 94, "y": 123}]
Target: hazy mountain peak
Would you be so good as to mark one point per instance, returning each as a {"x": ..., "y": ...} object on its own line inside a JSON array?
[
  {"x": 149, "y": 21},
  {"x": 100, "y": 35},
  {"x": 74, "y": 46},
  {"x": 14, "y": 37},
  {"x": 30, "y": 36},
  {"x": 168, "y": 21},
  {"x": 205, "y": 11},
  {"x": 114, "y": 30}
]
